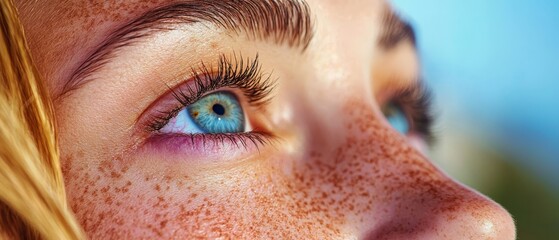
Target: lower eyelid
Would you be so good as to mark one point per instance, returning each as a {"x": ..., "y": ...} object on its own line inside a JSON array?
[{"x": 199, "y": 148}]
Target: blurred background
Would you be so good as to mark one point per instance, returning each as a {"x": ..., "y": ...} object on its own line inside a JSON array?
[{"x": 494, "y": 68}]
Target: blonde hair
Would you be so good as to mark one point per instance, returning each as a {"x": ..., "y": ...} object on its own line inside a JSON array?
[{"x": 32, "y": 197}]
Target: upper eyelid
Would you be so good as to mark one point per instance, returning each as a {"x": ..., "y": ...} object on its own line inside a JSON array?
[{"x": 416, "y": 88}]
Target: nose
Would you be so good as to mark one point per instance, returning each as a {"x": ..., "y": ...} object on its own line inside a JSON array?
[
  {"x": 441, "y": 209},
  {"x": 381, "y": 184}
]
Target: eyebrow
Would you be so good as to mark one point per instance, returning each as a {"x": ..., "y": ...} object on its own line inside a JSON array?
[
  {"x": 281, "y": 21},
  {"x": 395, "y": 30}
]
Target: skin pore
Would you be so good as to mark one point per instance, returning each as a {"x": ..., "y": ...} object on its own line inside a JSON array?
[{"x": 329, "y": 166}]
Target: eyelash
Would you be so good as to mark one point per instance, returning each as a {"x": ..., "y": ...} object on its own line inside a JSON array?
[
  {"x": 416, "y": 102},
  {"x": 230, "y": 72}
]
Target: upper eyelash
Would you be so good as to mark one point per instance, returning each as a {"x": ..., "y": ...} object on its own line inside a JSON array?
[
  {"x": 416, "y": 101},
  {"x": 230, "y": 72}
]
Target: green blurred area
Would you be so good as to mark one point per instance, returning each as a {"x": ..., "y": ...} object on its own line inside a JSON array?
[{"x": 533, "y": 204}]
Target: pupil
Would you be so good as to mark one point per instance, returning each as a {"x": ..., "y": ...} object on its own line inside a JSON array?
[{"x": 218, "y": 109}]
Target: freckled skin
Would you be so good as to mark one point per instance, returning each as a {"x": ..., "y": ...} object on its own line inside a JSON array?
[
  {"x": 324, "y": 197},
  {"x": 350, "y": 176}
]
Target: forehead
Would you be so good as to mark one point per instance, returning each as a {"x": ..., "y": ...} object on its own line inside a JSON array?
[
  {"x": 99, "y": 11},
  {"x": 65, "y": 32},
  {"x": 94, "y": 16}
]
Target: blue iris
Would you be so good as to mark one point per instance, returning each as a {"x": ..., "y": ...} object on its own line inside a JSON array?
[
  {"x": 397, "y": 118},
  {"x": 218, "y": 112}
]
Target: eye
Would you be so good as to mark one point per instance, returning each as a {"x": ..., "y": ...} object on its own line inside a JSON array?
[
  {"x": 218, "y": 112},
  {"x": 397, "y": 118},
  {"x": 213, "y": 111},
  {"x": 409, "y": 112}
]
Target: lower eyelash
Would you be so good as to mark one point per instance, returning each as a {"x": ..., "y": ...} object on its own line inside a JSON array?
[{"x": 204, "y": 142}]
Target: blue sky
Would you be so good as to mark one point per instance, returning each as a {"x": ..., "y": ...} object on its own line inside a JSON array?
[{"x": 499, "y": 62}]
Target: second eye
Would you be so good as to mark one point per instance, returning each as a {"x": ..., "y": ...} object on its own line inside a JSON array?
[
  {"x": 219, "y": 112},
  {"x": 397, "y": 118}
]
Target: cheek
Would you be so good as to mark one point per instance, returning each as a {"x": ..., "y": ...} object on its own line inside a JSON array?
[{"x": 250, "y": 203}]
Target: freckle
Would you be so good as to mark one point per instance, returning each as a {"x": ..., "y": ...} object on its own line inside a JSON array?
[
  {"x": 66, "y": 163},
  {"x": 120, "y": 221},
  {"x": 157, "y": 187},
  {"x": 109, "y": 200},
  {"x": 167, "y": 179},
  {"x": 115, "y": 175}
]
